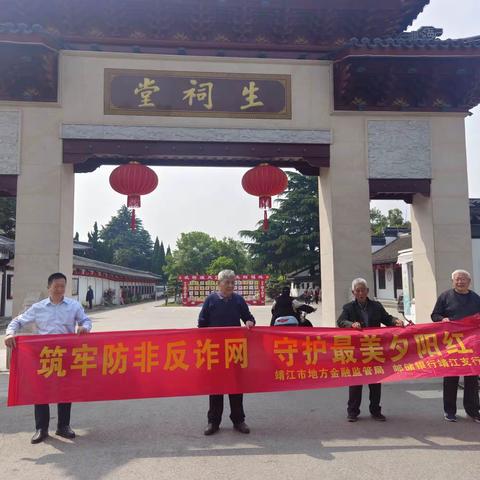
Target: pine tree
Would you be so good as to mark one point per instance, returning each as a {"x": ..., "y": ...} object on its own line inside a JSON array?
[
  {"x": 129, "y": 248},
  {"x": 155, "y": 266},
  {"x": 293, "y": 239},
  {"x": 161, "y": 259}
]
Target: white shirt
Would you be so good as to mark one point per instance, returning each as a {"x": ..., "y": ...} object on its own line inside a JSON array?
[{"x": 51, "y": 318}]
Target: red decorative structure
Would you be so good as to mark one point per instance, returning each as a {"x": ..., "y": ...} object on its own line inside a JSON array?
[
  {"x": 195, "y": 288},
  {"x": 134, "y": 180},
  {"x": 265, "y": 181}
]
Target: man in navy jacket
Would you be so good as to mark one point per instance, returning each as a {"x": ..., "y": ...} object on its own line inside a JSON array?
[{"x": 225, "y": 308}]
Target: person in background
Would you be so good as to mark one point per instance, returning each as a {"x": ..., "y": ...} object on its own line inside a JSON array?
[
  {"x": 286, "y": 310},
  {"x": 89, "y": 297}
]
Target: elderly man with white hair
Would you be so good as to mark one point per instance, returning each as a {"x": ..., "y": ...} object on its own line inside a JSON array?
[
  {"x": 360, "y": 313},
  {"x": 225, "y": 308},
  {"x": 453, "y": 305}
]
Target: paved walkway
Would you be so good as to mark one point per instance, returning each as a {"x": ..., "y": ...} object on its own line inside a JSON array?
[{"x": 295, "y": 435}]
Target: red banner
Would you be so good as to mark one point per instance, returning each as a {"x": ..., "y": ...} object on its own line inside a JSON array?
[
  {"x": 195, "y": 288},
  {"x": 162, "y": 363}
]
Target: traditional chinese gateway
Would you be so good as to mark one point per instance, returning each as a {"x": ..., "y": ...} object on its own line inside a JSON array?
[{"x": 333, "y": 88}]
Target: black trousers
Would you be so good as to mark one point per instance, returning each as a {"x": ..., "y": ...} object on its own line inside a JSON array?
[
  {"x": 470, "y": 395},
  {"x": 90, "y": 305},
  {"x": 237, "y": 415},
  {"x": 42, "y": 415},
  {"x": 355, "y": 399}
]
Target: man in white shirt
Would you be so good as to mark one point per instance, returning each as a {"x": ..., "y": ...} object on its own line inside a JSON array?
[{"x": 56, "y": 314}]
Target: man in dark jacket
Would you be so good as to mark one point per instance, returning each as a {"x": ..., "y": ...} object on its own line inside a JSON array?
[
  {"x": 89, "y": 297},
  {"x": 361, "y": 313},
  {"x": 225, "y": 309},
  {"x": 453, "y": 305}
]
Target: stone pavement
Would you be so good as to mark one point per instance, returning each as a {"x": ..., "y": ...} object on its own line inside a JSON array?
[{"x": 295, "y": 435}]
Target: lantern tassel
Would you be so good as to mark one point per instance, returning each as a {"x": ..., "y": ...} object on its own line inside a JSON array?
[
  {"x": 133, "y": 223},
  {"x": 265, "y": 202},
  {"x": 265, "y": 221},
  {"x": 133, "y": 201}
]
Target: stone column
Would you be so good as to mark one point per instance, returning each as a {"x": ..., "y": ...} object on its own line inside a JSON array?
[
  {"x": 441, "y": 236},
  {"x": 45, "y": 203},
  {"x": 345, "y": 251}
]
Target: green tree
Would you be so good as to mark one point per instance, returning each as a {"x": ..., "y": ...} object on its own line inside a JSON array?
[
  {"x": 100, "y": 250},
  {"x": 161, "y": 258},
  {"x": 158, "y": 258},
  {"x": 129, "y": 248},
  {"x": 221, "y": 263},
  {"x": 378, "y": 221},
  {"x": 237, "y": 253},
  {"x": 274, "y": 285},
  {"x": 155, "y": 266},
  {"x": 293, "y": 239},
  {"x": 174, "y": 289},
  {"x": 395, "y": 219},
  {"x": 76, "y": 238},
  {"x": 196, "y": 253},
  {"x": 7, "y": 216}
]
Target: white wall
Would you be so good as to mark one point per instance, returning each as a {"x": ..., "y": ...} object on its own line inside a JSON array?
[{"x": 99, "y": 285}]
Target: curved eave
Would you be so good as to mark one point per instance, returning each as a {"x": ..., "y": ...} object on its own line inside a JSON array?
[
  {"x": 412, "y": 12},
  {"x": 428, "y": 50}
]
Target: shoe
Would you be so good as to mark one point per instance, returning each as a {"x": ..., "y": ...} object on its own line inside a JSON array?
[
  {"x": 352, "y": 418},
  {"x": 211, "y": 429},
  {"x": 40, "y": 436},
  {"x": 378, "y": 417},
  {"x": 241, "y": 427},
  {"x": 65, "y": 432},
  {"x": 475, "y": 418},
  {"x": 450, "y": 417}
]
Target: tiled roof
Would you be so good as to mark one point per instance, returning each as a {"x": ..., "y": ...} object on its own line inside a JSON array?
[
  {"x": 475, "y": 217},
  {"x": 389, "y": 253},
  {"x": 475, "y": 211},
  {"x": 377, "y": 240},
  {"x": 410, "y": 43},
  {"x": 88, "y": 263}
]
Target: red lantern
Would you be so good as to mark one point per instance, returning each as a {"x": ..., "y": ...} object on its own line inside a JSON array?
[
  {"x": 265, "y": 181},
  {"x": 133, "y": 180}
]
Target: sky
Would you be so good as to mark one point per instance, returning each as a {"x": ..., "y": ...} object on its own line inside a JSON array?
[{"x": 212, "y": 200}]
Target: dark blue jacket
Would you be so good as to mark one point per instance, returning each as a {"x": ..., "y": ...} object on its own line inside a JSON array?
[{"x": 224, "y": 312}]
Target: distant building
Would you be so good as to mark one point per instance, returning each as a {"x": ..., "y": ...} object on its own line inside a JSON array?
[
  {"x": 107, "y": 281},
  {"x": 387, "y": 272},
  {"x": 392, "y": 262},
  {"x": 303, "y": 280},
  {"x": 405, "y": 260}
]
